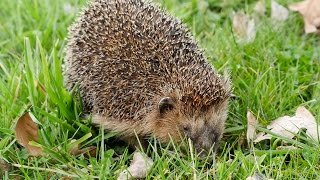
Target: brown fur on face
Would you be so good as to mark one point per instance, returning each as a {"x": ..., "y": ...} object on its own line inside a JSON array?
[{"x": 203, "y": 126}]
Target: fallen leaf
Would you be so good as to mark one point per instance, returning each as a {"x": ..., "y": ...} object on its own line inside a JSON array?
[
  {"x": 310, "y": 10},
  {"x": 251, "y": 127},
  {"x": 244, "y": 27},
  {"x": 309, "y": 122},
  {"x": 26, "y": 130},
  {"x": 139, "y": 167},
  {"x": 287, "y": 126},
  {"x": 278, "y": 12},
  {"x": 260, "y": 8}
]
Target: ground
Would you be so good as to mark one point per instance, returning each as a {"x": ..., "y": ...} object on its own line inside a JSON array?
[{"x": 272, "y": 76}]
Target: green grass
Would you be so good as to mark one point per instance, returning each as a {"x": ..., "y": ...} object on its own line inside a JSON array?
[{"x": 271, "y": 76}]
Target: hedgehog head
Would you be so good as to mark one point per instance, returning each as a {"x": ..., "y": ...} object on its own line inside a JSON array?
[{"x": 179, "y": 116}]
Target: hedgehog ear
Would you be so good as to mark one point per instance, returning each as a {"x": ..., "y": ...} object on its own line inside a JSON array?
[{"x": 165, "y": 104}]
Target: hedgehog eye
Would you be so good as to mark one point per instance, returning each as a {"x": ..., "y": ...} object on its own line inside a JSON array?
[
  {"x": 186, "y": 128},
  {"x": 165, "y": 104}
]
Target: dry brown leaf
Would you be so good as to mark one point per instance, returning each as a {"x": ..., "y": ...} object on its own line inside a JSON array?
[
  {"x": 310, "y": 10},
  {"x": 139, "y": 167},
  {"x": 278, "y": 12},
  {"x": 26, "y": 130},
  {"x": 251, "y": 126},
  {"x": 287, "y": 126},
  {"x": 244, "y": 27}
]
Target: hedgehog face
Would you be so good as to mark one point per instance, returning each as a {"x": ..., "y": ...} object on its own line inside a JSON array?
[{"x": 203, "y": 127}]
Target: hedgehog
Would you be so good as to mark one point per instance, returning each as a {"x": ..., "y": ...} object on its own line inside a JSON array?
[{"x": 141, "y": 73}]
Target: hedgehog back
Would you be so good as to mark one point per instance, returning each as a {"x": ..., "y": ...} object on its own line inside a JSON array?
[{"x": 126, "y": 53}]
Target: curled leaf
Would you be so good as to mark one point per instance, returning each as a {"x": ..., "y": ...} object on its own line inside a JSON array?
[
  {"x": 251, "y": 127},
  {"x": 244, "y": 27},
  {"x": 288, "y": 127},
  {"x": 26, "y": 130},
  {"x": 278, "y": 12},
  {"x": 310, "y": 10}
]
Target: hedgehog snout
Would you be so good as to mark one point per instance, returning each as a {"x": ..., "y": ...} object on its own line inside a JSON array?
[{"x": 205, "y": 142}]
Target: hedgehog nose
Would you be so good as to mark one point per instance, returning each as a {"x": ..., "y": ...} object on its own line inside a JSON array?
[
  {"x": 205, "y": 143},
  {"x": 202, "y": 154}
]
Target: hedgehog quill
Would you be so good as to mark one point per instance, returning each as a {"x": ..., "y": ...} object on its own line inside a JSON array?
[{"x": 141, "y": 72}]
